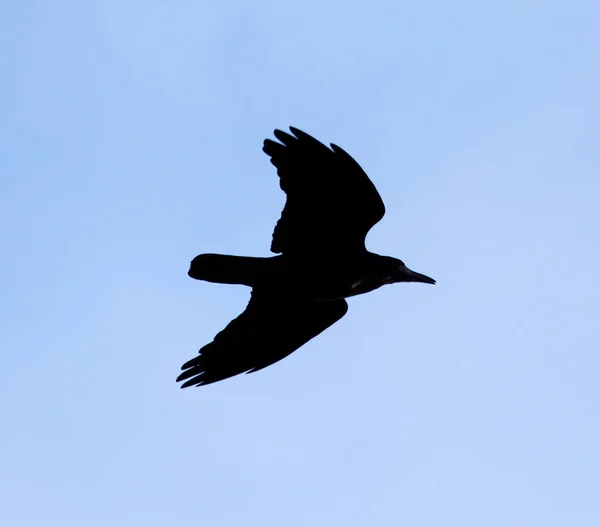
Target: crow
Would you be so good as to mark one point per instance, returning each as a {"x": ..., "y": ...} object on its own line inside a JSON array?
[{"x": 331, "y": 204}]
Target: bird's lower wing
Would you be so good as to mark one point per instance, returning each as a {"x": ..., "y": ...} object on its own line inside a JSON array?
[{"x": 271, "y": 327}]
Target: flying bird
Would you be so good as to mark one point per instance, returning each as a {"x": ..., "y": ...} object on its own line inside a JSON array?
[{"x": 331, "y": 204}]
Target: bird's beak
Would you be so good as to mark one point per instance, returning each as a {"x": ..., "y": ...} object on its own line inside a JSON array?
[{"x": 404, "y": 274}]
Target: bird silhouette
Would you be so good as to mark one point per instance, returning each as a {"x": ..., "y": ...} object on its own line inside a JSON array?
[{"x": 330, "y": 207}]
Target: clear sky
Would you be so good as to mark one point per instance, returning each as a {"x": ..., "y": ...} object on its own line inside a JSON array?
[{"x": 130, "y": 141}]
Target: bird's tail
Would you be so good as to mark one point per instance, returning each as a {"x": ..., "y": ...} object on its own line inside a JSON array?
[{"x": 225, "y": 269}]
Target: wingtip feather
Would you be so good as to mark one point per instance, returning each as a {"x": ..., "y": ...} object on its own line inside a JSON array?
[{"x": 284, "y": 137}]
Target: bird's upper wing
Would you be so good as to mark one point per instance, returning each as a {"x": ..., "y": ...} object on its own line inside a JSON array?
[
  {"x": 331, "y": 202},
  {"x": 271, "y": 327}
]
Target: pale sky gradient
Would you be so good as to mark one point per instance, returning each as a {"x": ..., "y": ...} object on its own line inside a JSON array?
[{"x": 130, "y": 141}]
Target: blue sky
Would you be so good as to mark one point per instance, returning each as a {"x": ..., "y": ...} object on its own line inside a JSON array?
[{"x": 130, "y": 141}]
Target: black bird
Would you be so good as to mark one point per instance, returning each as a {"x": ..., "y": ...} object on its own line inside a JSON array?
[{"x": 331, "y": 206}]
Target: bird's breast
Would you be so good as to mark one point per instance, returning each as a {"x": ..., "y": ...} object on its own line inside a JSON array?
[{"x": 322, "y": 279}]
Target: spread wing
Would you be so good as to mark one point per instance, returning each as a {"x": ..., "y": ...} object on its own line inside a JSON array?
[
  {"x": 271, "y": 328},
  {"x": 331, "y": 202}
]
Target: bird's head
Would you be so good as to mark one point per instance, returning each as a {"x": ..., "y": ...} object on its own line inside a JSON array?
[{"x": 398, "y": 272}]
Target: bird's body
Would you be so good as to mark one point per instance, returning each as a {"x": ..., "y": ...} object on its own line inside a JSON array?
[
  {"x": 331, "y": 205},
  {"x": 314, "y": 277}
]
